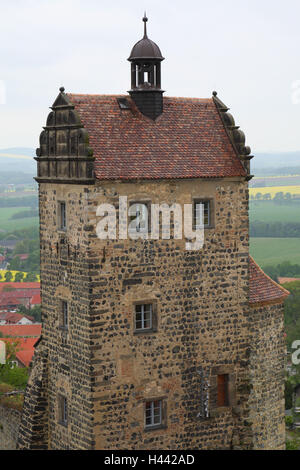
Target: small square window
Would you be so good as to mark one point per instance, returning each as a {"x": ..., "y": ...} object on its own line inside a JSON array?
[
  {"x": 153, "y": 414},
  {"x": 62, "y": 216},
  {"x": 62, "y": 410},
  {"x": 143, "y": 317},
  {"x": 202, "y": 206}
]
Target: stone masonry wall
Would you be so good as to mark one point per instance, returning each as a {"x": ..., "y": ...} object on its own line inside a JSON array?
[
  {"x": 65, "y": 276},
  {"x": 9, "y": 427},
  {"x": 202, "y": 309},
  {"x": 204, "y": 328},
  {"x": 267, "y": 377}
]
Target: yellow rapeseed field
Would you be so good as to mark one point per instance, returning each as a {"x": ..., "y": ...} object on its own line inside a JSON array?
[
  {"x": 3, "y": 272},
  {"x": 276, "y": 189}
]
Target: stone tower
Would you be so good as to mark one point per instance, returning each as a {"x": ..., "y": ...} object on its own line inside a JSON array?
[{"x": 145, "y": 344}]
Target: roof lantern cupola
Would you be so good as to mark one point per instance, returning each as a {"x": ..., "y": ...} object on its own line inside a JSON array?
[{"x": 146, "y": 92}]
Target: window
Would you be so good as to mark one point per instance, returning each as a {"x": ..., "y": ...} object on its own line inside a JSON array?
[
  {"x": 153, "y": 414},
  {"x": 62, "y": 216},
  {"x": 62, "y": 410},
  {"x": 64, "y": 314},
  {"x": 207, "y": 215},
  {"x": 222, "y": 399},
  {"x": 139, "y": 217},
  {"x": 143, "y": 317}
]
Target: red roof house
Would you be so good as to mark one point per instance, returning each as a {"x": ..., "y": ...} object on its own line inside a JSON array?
[
  {"x": 25, "y": 349},
  {"x": 22, "y": 331}
]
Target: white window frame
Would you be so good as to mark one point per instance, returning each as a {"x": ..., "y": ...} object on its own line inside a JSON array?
[
  {"x": 206, "y": 203},
  {"x": 153, "y": 413},
  {"x": 142, "y": 313}
]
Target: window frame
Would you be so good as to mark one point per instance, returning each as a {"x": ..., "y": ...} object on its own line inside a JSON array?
[
  {"x": 153, "y": 317},
  {"x": 210, "y": 202},
  {"x": 64, "y": 305},
  {"x": 162, "y": 414},
  {"x": 63, "y": 414},
  {"x": 62, "y": 216}
]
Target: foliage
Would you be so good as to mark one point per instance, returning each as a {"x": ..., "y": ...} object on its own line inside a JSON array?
[
  {"x": 9, "y": 373},
  {"x": 274, "y": 229},
  {"x": 292, "y": 317},
  {"x": 293, "y": 444},
  {"x": 25, "y": 214},
  {"x": 289, "y": 421},
  {"x": 34, "y": 312},
  {"x": 285, "y": 269}
]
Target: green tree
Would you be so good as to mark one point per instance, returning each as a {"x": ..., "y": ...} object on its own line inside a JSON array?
[
  {"x": 19, "y": 277},
  {"x": 8, "y": 276}
]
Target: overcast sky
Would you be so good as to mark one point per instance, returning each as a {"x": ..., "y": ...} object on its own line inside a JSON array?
[{"x": 247, "y": 50}]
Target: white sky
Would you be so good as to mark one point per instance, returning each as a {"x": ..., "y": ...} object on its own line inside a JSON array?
[{"x": 247, "y": 50}]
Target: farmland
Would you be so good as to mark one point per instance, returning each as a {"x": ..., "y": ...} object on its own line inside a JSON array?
[
  {"x": 273, "y": 190},
  {"x": 269, "y": 211},
  {"x": 273, "y": 251},
  {"x": 8, "y": 224}
]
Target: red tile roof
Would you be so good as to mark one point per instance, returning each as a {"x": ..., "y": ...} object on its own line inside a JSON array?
[
  {"x": 36, "y": 299},
  {"x": 263, "y": 289},
  {"x": 283, "y": 280},
  {"x": 187, "y": 141},
  {"x": 25, "y": 348},
  {"x": 19, "y": 285},
  {"x": 21, "y": 330},
  {"x": 11, "y": 317}
]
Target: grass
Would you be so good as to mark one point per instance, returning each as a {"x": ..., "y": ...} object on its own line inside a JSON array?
[
  {"x": 268, "y": 211},
  {"x": 9, "y": 225},
  {"x": 276, "y": 189},
  {"x": 13, "y": 401},
  {"x": 273, "y": 251}
]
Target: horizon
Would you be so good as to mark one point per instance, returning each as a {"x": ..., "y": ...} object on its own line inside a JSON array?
[{"x": 256, "y": 75}]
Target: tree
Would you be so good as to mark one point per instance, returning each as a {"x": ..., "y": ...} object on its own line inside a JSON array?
[
  {"x": 31, "y": 277},
  {"x": 8, "y": 276},
  {"x": 19, "y": 277}
]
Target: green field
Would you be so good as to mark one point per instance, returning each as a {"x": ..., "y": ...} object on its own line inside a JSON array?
[
  {"x": 10, "y": 225},
  {"x": 268, "y": 211},
  {"x": 273, "y": 251}
]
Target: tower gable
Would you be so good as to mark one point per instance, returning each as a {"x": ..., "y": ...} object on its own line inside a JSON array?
[{"x": 64, "y": 155}]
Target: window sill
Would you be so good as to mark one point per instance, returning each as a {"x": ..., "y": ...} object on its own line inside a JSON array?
[
  {"x": 155, "y": 428},
  {"x": 145, "y": 332},
  {"x": 64, "y": 424},
  {"x": 218, "y": 411}
]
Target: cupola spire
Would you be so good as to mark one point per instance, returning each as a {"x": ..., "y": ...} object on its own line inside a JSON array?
[{"x": 146, "y": 61}]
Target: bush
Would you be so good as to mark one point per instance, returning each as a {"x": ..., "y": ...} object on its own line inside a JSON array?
[{"x": 15, "y": 376}]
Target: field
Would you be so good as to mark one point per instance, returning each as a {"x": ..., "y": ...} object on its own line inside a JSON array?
[
  {"x": 268, "y": 211},
  {"x": 275, "y": 181},
  {"x": 273, "y": 251},
  {"x": 3, "y": 272},
  {"x": 7, "y": 224},
  {"x": 275, "y": 189}
]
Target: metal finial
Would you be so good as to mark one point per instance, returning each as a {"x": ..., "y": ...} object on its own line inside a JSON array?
[
  {"x": 215, "y": 93},
  {"x": 62, "y": 89},
  {"x": 145, "y": 19}
]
